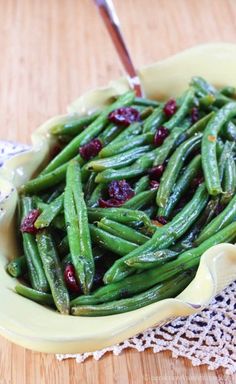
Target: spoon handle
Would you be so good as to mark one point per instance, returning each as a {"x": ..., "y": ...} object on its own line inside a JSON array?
[{"x": 111, "y": 21}]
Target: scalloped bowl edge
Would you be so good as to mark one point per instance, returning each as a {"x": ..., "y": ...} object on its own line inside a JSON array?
[{"x": 48, "y": 331}]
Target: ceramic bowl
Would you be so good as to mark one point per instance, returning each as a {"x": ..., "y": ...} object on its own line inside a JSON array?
[{"x": 36, "y": 327}]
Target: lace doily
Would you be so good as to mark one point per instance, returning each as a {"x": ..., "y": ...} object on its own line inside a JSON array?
[{"x": 208, "y": 337}]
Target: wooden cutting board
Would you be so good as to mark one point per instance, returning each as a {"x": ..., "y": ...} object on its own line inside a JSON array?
[{"x": 51, "y": 52}]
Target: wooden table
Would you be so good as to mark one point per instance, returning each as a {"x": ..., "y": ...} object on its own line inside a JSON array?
[{"x": 51, "y": 52}]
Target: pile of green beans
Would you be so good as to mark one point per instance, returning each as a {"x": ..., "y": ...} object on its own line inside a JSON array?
[{"x": 95, "y": 249}]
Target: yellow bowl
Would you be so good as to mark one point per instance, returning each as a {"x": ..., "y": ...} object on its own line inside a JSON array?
[{"x": 38, "y": 328}]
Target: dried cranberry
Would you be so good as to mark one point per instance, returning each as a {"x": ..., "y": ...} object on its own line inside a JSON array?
[
  {"x": 109, "y": 203},
  {"x": 120, "y": 190},
  {"x": 70, "y": 279},
  {"x": 170, "y": 108},
  {"x": 156, "y": 172},
  {"x": 194, "y": 114},
  {"x": 154, "y": 184},
  {"x": 91, "y": 149},
  {"x": 124, "y": 116},
  {"x": 160, "y": 135},
  {"x": 162, "y": 220},
  {"x": 27, "y": 224}
]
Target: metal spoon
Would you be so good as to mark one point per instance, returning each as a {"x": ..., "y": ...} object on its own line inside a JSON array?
[{"x": 111, "y": 21}]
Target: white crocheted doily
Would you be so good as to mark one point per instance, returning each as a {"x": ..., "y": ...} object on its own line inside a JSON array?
[{"x": 208, "y": 337}]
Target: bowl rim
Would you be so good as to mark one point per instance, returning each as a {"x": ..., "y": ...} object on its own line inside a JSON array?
[{"x": 188, "y": 302}]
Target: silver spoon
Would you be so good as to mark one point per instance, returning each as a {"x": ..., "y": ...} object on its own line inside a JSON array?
[{"x": 111, "y": 21}]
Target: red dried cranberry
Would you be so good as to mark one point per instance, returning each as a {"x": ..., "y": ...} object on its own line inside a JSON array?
[
  {"x": 194, "y": 114},
  {"x": 156, "y": 172},
  {"x": 162, "y": 220},
  {"x": 160, "y": 135},
  {"x": 120, "y": 190},
  {"x": 154, "y": 184},
  {"x": 90, "y": 150},
  {"x": 170, "y": 108},
  {"x": 27, "y": 224},
  {"x": 109, "y": 203},
  {"x": 70, "y": 279},
  {"x": 124, "y": 116}
]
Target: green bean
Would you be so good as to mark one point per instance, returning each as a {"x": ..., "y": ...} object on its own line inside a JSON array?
[
  {"x": 229, "y": 180},
  {"x": 122, "y": 231},
  {"x": 137, "y": 168},
  {"x": 123, "y": 146},
  {"x": 37, "y": 275},
  {"x": 173, "y": 168},
  {"x": 187, "y": 103},
  {"x": 169, "y": 144},
  {"x": 137, "y": 283},
  {"x": 146, "y": 102},
  {"x": 132, "y": 131},
  {"x": 226, "y": 151},
  {"x": 72, "y": 125},
  {"x": 50, "y": 179},
  {"x": 181, "y": 186},
  {"x": 199, "y": 126},
  {"x": 206, "y": 216},
  {"x": 113, "y": 243},
  {"x": 141, "y": 185},
  {"x": 164, "y": 236},
  {"x": 39, "y": 203},
  {"x": 49, "y": 213},
  {"x": 227, "y": 216},
  {"x": 32, "y": 294},
  {"x": 109, "y": 134},
  {"x": 143, "y": 163},
  {"x": 74, "y": 177},
  {"x": 221, "y": 100},
  {"x": 96, "y": 195},
  {"x": 145, "y": 112},
  {"x": 229, "y": 131},
  {"x": 17, "y": 267},
  {"x": 140, "y": 200},
  {"x": 77, "y": 227},
  {"x": 90, "y": 186},
  {"x": 89, "y": 133},
  {"x": 122, "y": 215},
  {"x": 98, "y": 254},
  {"x": 117, "y": 161},
  {"x": 154, "y": 120},
  {"x": 207, "y": 101},
  {"x": 228, "y": 91},
  {"x": 203, "y": 86},
  {"x": 53, "y": 271},
  {"x": 209, "y": 158},
  {"x": 170, "y": 288},
  {"x": 149, "y": 260}
]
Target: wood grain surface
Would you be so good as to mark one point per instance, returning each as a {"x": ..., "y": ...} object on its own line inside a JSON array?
[{"x": 51, "y": 52}]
